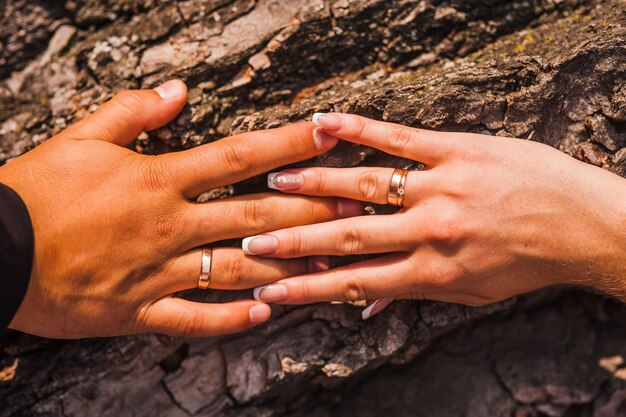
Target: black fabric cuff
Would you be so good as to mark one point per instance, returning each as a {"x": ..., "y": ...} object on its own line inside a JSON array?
[{"x": 16, "y": 253}]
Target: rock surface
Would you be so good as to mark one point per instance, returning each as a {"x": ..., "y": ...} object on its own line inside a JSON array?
[{"x": 546, "y": 70}]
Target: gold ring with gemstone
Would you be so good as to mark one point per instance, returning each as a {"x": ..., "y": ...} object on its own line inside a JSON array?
[{"x": 397, "y": 187}]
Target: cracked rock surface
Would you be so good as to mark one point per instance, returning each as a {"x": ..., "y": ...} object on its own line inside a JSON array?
[{"x": 552, "y": 71}]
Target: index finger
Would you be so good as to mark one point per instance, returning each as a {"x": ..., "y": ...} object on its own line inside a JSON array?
[
  {"x": 239, "y": 157},
  {"x": 426, "y": 146}
]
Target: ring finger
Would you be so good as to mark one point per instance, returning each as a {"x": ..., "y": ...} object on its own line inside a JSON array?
[
  {"x": 363, "y": 184},
  {"x": 231, "y": 269}
]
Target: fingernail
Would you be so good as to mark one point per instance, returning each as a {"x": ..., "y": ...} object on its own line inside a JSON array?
[
  {"x": 319, "y": 263},
  {"x": 270, "y": 293},
  {"x": 259, "y": 245},
  {"x": 285, "y": 181},
  {"x": 259, "y": 313},
  {"x": 327, "y": 121},
  {"x": 349, "y": 208},
  {"x": 323, "y": 141},
  {"x": 170, "y": 89},
  {"x": 376, "y": 307}
]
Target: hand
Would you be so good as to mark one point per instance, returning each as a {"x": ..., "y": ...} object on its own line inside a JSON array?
[
  {"x": 117, "y": 233},
  {"x": 489, "y": 218}
]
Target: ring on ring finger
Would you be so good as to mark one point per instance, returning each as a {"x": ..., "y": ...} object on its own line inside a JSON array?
[
  {"x": 204, "y": 279},
  {"x": 397, "y": 187}
]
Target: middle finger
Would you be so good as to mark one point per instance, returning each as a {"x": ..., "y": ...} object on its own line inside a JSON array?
[{"x": 258, "y": 213}]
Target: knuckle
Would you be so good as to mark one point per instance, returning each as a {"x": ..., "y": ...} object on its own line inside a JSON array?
[
  {"x": 130, "y": 101},
  {"x": 162, "y": 229},
  {"x": 155, "y": 174},
  {"x": 143, "y": 318},
  {"x": 368, "y": 186},
  {"x": 313, "y": 211},
  {"x": 469, "y": 147},
  {"x": 359, "y": 125},
  {"x": 456, "y": 186},
  {"x": 446, "y": 227},
  {"x": 352, "y": 289},
  {"x": 238, "y": 157},
  {"x": 189, "y": 323},
  {"x": 445, "y": 277},
  {"x": 349, "y": 242},
  {"x": 292, "y": 244},
  {"x": 234, "y": 272},
  {"x": 255, "y": 215},
  {"x": 319, "y": 182},
  {"x": 301, "y": 291},
  {"x": 295, "y": 142},
  {"x": 450, "y": 274},
  {"x": 401, "y": 137}
]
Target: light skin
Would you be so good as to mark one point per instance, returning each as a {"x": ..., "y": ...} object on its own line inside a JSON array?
[
  {"x": 118, "y": 233},
  {"x": 487, "y": 219}
]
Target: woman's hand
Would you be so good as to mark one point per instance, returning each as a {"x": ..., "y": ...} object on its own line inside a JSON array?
[
  {"x": 489, "y": 218},
  {"x": 117, "y": 233}
]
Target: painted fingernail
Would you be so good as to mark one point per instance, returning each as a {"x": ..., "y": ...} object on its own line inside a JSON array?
[
  {"x": 323, "y": 141},
  {"x": 285, "y": 181},
  {"x": 259, "y": 313},
  {"x": 376, "y": 307},
  {"x": 319, "y": 263},
  {"x": 170, "y": 89},
  {"x": 349, "y": 208},
  {"x": 327, "y": 121},
  {"x": 270, "y": 293},
  {"x": 259, "y": 245}
]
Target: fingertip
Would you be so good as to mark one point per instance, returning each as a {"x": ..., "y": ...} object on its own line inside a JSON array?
[
  {"x": 260, "y": 245},
  {"x": 172, "y": 89},
  {"x": 323, "y": 141},
  {"x": 245, "y": 245},
  {"x": 318, "y": 263},
  {"x": 315, "y": 119},
  {"x": 328, "y": 121},
  {"x": 259, "y": 313},
  {"x": 376, "y": 307}
]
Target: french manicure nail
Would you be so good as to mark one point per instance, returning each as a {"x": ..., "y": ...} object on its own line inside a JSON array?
[
  {"x": 259, "y": 313},
  {"x": 376, "y": 307},
  {"x": 270, "y": 293},
  {"x": 319, "y": 264},
  {"x": 327, "y": 121},
  {"x": 285, "y": 181},
  {"x": 259, "y": 245},
  {"x": 170, "y": 89},
  {"x": 323, "y": 141}
]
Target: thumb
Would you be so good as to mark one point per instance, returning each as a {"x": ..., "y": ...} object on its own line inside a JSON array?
[{"x": 130, "y": 112}]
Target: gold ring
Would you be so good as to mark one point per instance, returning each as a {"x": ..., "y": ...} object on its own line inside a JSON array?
[
  {"x": 205, "y": 270},
  {"x": 397, "y": 187}
]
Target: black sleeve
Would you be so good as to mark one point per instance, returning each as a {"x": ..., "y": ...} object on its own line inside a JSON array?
[{"x": 16, "y": 253}]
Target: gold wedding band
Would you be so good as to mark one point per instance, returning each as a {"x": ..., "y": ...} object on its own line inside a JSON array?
[
  {"x": 205, "y": 270},
  {"x": 397, "y": 187}
]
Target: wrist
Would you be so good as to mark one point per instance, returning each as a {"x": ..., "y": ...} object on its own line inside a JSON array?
[{"x": 606, "y": 266}]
